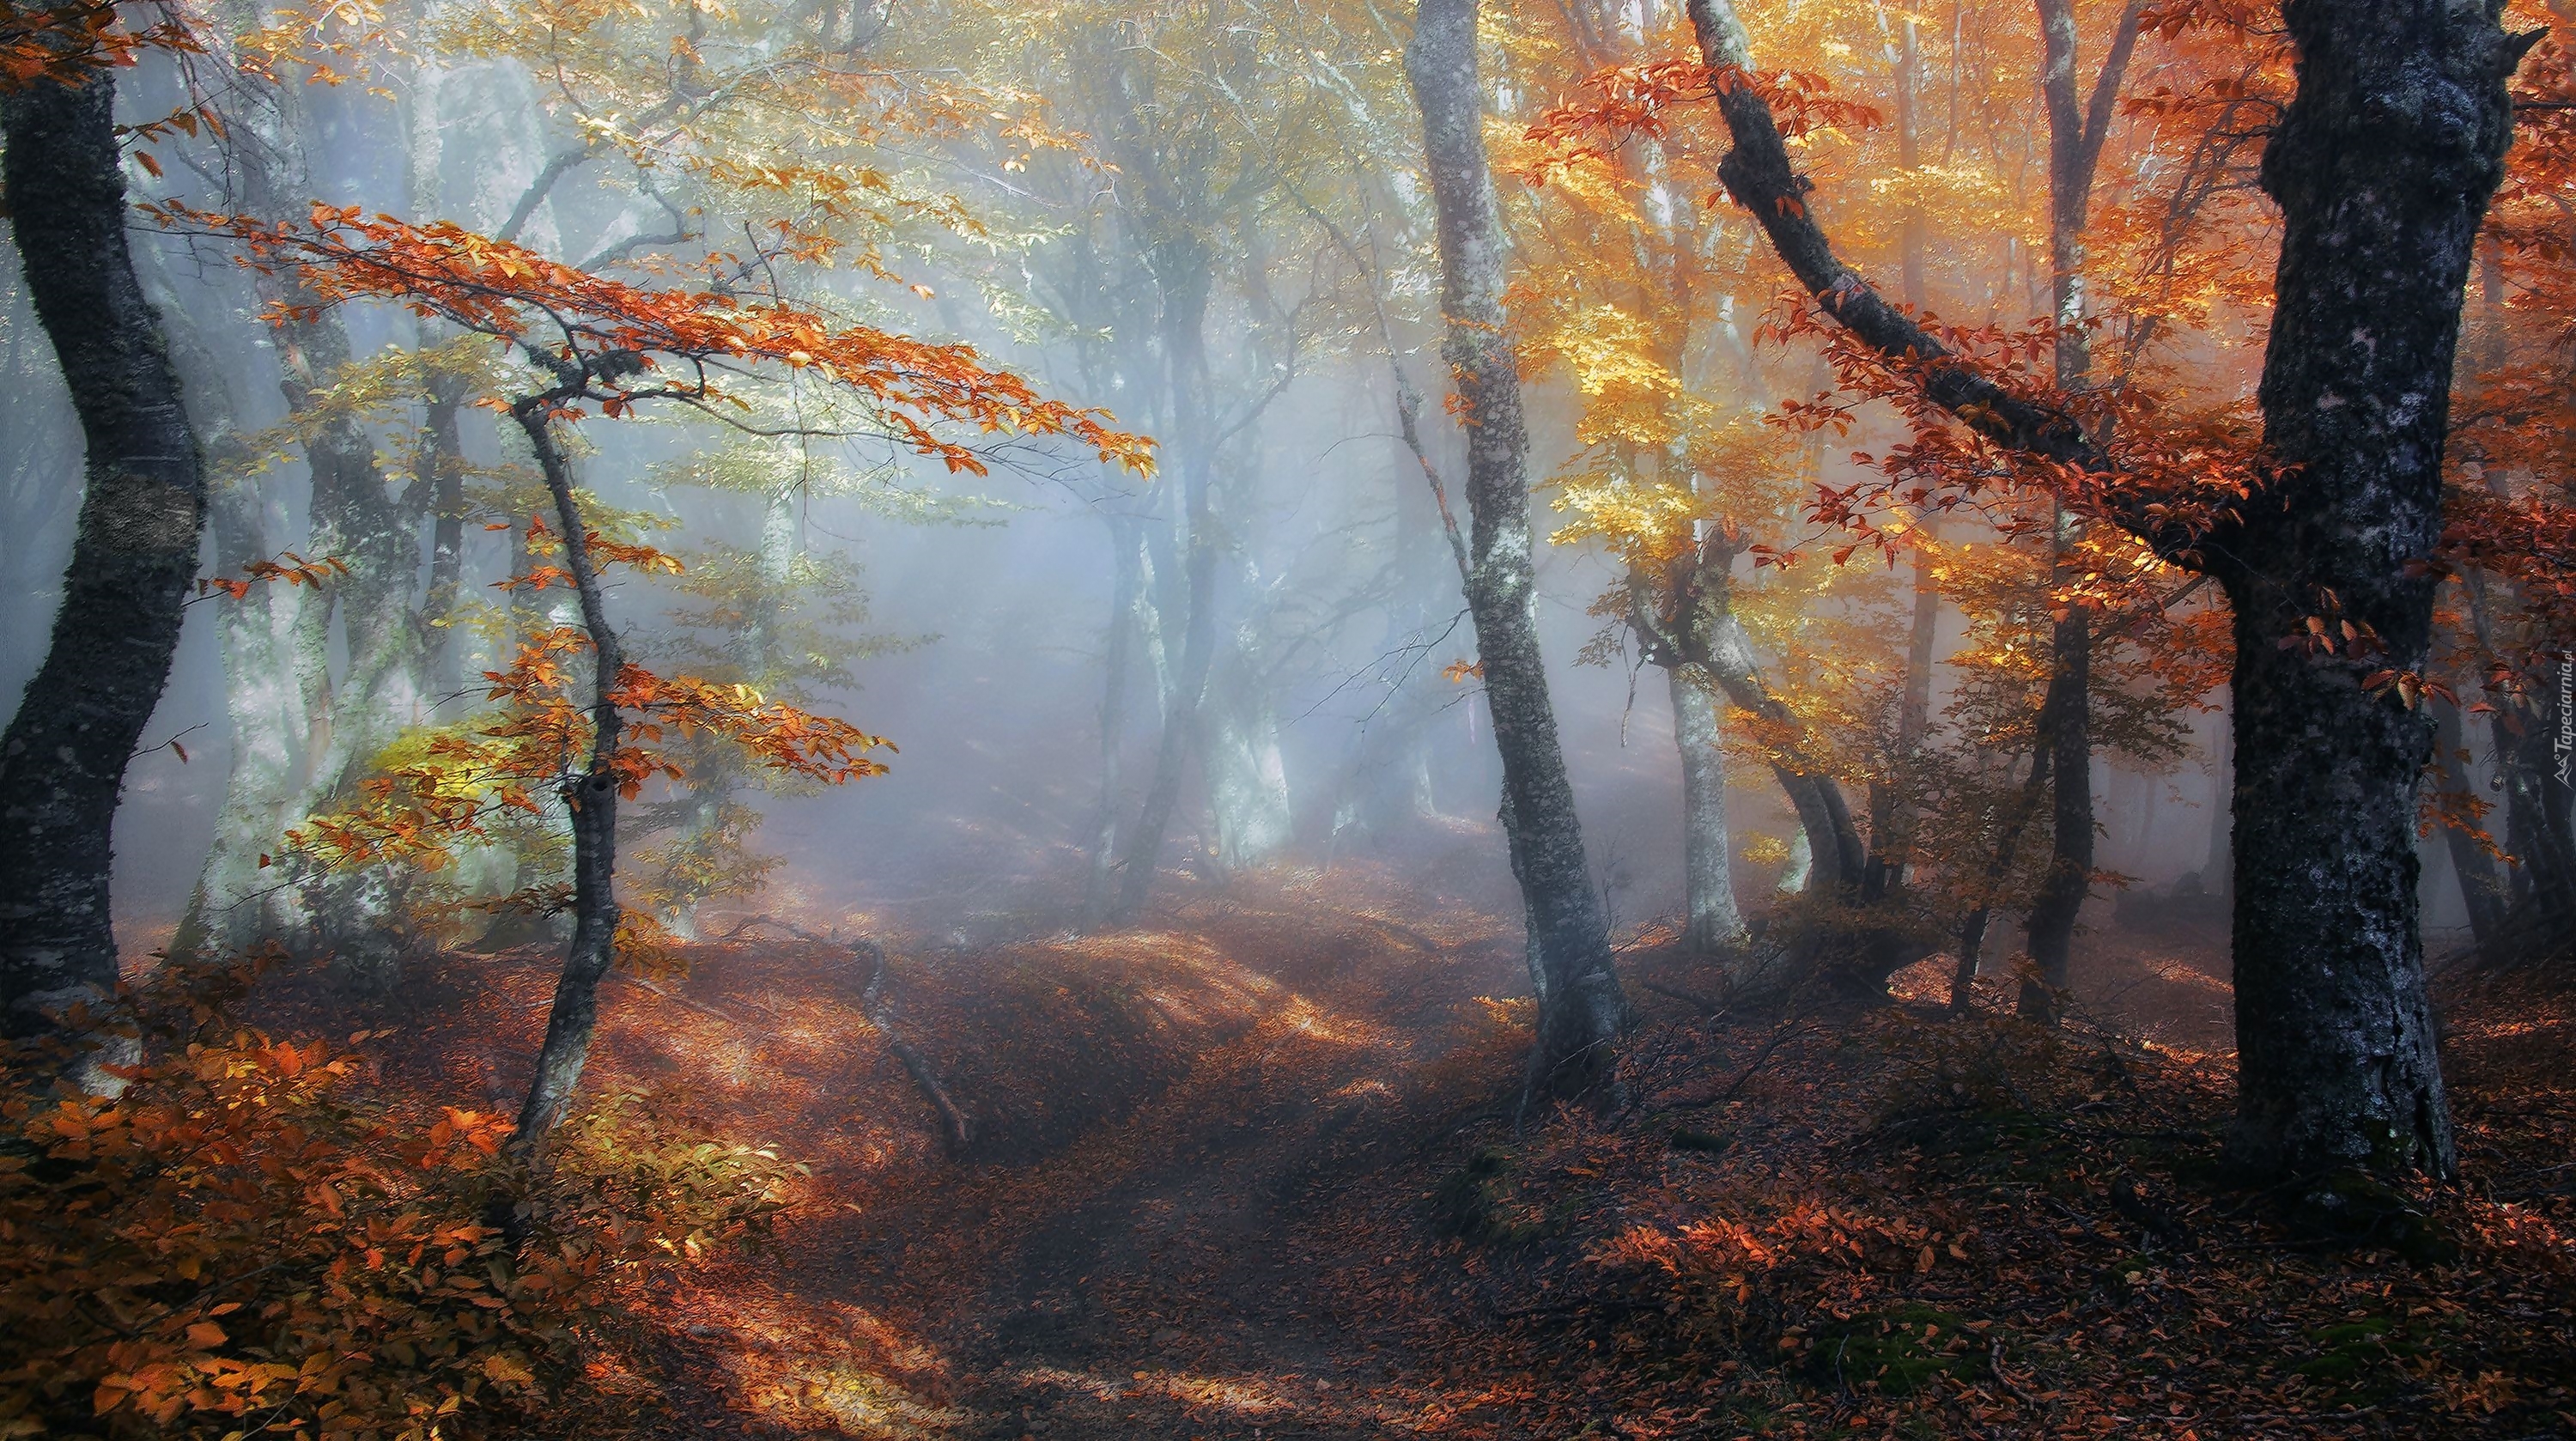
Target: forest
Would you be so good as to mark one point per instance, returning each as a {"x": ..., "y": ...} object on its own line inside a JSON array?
[{"x": 1288, "y": 718}]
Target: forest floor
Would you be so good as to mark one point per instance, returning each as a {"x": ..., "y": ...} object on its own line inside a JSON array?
[{"x": 1250, "y": 1169}]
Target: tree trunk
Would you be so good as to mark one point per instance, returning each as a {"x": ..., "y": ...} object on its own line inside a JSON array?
[
  {"x": 1581, "y": 1010},
  {"x": 1714, "y": 923},
  {"x": 1101, "y": 872},
  {"x": 1833, "y": 841},
  {"x": 1891, "y": 815},
  {"x": 2482, "y": 891},
  {"x": 143, "y": 506},
  {"x": 442, "y": 474},
  {"x": 1184, "y": 279},
  {"x": 2075, "y": 137},
  {"x": 2016, "y": 819},
  {"x": 2068, "y": 881},
  {"x": 237, "y": 901},
  {"x": 1247, "y": 777},
  {"x": 591, "y": 798},
  {"x": 2383, "y": 165}
]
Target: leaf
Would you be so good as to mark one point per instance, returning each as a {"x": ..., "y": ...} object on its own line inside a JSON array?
[{"x": 501, "y": 1366}]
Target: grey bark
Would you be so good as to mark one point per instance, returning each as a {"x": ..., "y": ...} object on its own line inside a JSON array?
[
  {"x": 1185, "y": 355},
  {"x": 1714, "y": 922},
  {"x": 2482, "y": 890},
  {"x": 2383, "y": 166},
  {"x": 2075, "y": 139},
  {"x": 1101, "y": 871},
  {"x": 591, "y": 798},
  {"x": 1581, "y": 1009},
  {"x": 143, "y": 506}
]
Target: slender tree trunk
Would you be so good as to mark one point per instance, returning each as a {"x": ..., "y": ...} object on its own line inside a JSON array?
[
  {"x": 2383, "y": 165},
  {"x": 1891, "y": 818},
  {"x": 1715, "y": 923},
  {"x": 1910, "y": 242},
  {"x": 1581, "y": 1010},
  {"x": 143, "y": 506},
  {"x": 442, "y": 473},
  {"x": 1247, "y": 775},
  {"x": 1184, "y": 280},
  {"x": 2068, "y": 881},
  {"x": 2482, "y": 891},
  {"x": 2538, "y": 814},
  {"x": 2075, "y": 136},
  {"x": 591, "y": 798},
  {"x": 237, "y": 901},
  {"x": 1101, "y": 874}
]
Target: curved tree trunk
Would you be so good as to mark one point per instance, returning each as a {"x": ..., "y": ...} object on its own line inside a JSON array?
[
  {"x": 143, "y": 506},
  {"x": 1833, "y": 841},
  {"x": 1581, "y": 1010},
  {"x": 591, "y": 798},
  {"x": 2383, "y": 165}
]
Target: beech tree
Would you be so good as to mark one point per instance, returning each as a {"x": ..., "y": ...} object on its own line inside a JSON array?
[
  {"x": 1581, "y": 1009},
  {"x": 2383, "y": 166},
  {"x": 613, "y": 346},
  {"x": 143, "y": 506}
]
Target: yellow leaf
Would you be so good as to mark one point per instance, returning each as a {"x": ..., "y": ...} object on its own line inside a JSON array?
[{"x": 502, "y": 1367}]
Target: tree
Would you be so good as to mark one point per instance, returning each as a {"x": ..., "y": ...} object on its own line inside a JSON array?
[
  {"x": 2075, "y": 137},
  {"x": 1581, "y": 1009},
  {"x": 612, "y": 346},
  {"x": 143, "y": 506},
  {"x": 2383, "y": 167}
]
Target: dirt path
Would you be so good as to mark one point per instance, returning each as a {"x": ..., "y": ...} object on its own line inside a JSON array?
[{"x": 1229, "y": 1258}]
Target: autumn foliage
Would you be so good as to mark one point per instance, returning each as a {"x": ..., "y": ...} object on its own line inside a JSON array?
[
  {"x": 254, "y": 1240},
  {"x": 687, "y": 337}
]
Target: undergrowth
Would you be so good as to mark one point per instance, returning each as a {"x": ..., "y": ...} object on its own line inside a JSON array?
[{"x": 249, "y": 1241}]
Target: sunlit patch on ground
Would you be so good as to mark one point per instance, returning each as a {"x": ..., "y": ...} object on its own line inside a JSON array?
[{"x": 1255, "y": 1171}]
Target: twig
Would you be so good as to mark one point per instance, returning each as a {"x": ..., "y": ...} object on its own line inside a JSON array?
[
  {"x": 1787, "y": 1031},
  {"x": 1995, "y": 1363},
  {"x": 677, "y": 999},
  {"x": 1705, "y": 1005}
]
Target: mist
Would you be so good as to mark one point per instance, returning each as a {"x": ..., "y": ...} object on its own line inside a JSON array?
[{"x": 1232, "y": 720}]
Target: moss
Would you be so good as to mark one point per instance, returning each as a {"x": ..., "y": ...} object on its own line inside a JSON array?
[
  {"x": 2360, "y": 1361},
  {"x": 2354, "y": 1209},
  {"x": 1895, "y": 1352},
  {"x": 1473, "y": 1202}
]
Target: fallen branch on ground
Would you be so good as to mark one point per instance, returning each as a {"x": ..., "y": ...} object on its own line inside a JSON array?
[
  {"x": 1781, "y": 1035},
  {"x": 959, "y": 1132}
]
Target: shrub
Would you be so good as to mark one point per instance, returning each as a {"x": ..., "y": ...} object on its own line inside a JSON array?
[{"x": 248, "y": 1242}]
